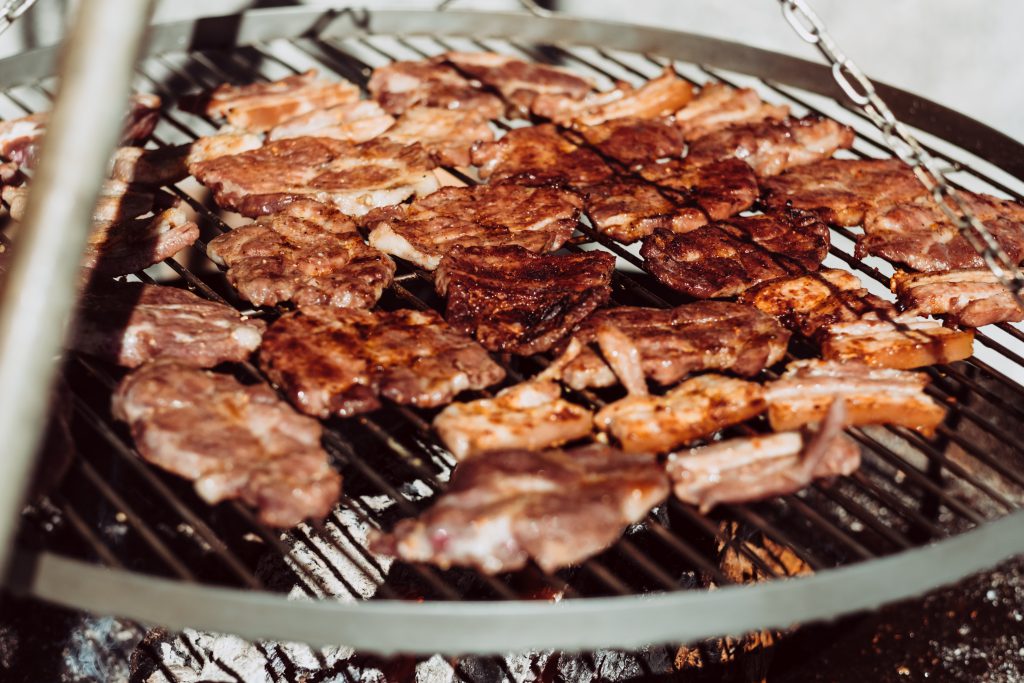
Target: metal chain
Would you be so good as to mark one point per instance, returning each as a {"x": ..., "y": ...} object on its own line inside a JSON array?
[
  {"x": 904, "y": 145},
  {"x": 11, "y": 11}
]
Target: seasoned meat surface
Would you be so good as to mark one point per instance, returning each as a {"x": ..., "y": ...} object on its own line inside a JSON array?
[
  {"x": 130, "y": 323},
  {"x": 167, "y": 165},
  {"x": 635, "y": 142},
  {"x": 554, "y": 507},
  {"x": 308, "y": 254},
  {"x": 353, "y": 177},
  {"x": 134, "y": 245},
  {"x": 515, "y": 301},
  {"x": 448, "y": 134},
  {"x": 797, "y": 239},
  {"x": 232, "y": 440},
  {"x": 719, "y": 106},
  {"x": 676, "y": 342},
  {"x": 967, "y": 297},
  {"x": 630, "y": 209},
  {"x": 900, "y": 342},
  {"x": 655, "y": 99},
  {"x": 356, "y": 121},
  {"x": 400, "y": 86},
  {"x": 721, "y": 189},
  {"x": 334, "y": 361},
  {"x": 539, "y": 219},
  {"x": 539, "y": 155}
]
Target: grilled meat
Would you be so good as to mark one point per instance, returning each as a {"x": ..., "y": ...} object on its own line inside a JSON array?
[
  {"x": 539, "y": 219},
  {"x": 657, "y": 98},
  {"x": 797, "y": 239},
  {"x": 635, "y": 142},
  {"x": 676, "y": 342},
  {"x": 872, "y": 396},
  {"x": 531, "y": 416},
  {"x": 719, "y": 106},
  {"x": 448, "y": 134},
  {"x": 515, "y": 301},
  {"x": 131, "y": 323},
  {"x": 334, "y": 361},
  {"x": 539, "y": 155},
  {"x": 629, "y": 210},
  {"x": 967, "y": 297},
  {"x": 400, "y": 86},
  {"x": 903, "y": 342},
  {"x": 721, "y": 188},
  {"x": 167, "y": 165},
  {"x": 134, "y": 245},
  {"x": 232, "y": 440},
  {"x": 843, "y": 190},
  {"x": 519, "y": 82},
  {"x": 353, "y": 177},
  {"x": 308, "y": 254},
  {"x": 771, "y": 147},
  {"x": 118, "y": 201},
  {"x": 356, "y": 121},
  {"x": 554, "y": 507},
  {"x": 258, "y": 107},
  {"x": 920, "y": 235}
]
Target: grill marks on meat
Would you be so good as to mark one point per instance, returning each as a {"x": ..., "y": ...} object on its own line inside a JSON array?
[
  {"x": 167, "y": 165},
  {"x": 721, "y": 188},
  {"x": 540, "y": 155},
  {"x": 258, "y": 107},
  {"x": 966, "y": 297},
  {"x": 538, "y": 219},
  {"x": 448, "y": 134},
  {"x": 655, "y": 99},
  {"x": 334, "y": 361},
  {"x": 796, "y": 238},
  {"x": 357, "y": 121},
  {"x": 554, "y": 507},
  {"x": 232, "y": 440},
  {"x": 901, "y": 342},
  {"x": 515, "y": 301},
  {"x": 400, "y": 86},
  {"x": 353, "y": 177},
  {"x": 531, "y": 416},
  {"x": 634, "y": 142},
  {"x": 771, "y": 147},
  {"x": 132, "y": 323},
  {"x": 629, "y": 210},
  {"x": 674, "y": 343},
  {"x": 806, "y": 390},
  {"x": 719, "y": 106},
  {"x": 308, "y": 254}
]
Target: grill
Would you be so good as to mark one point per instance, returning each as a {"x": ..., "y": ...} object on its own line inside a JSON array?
[{"x": 919, "y": 512}]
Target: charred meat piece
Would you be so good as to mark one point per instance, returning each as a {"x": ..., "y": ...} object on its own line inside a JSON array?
[
  {"x": 721, "y": 188},
  {"x": 515, "y": 301},
  {"x": 308, "y": 254},
  {"x": 258, "y": 107},
  {"x": 539, "y": 219},
  {"x": 657, "y": 98},
  {"x": 356, "y": 121},
  {"x": 796, "y": 238},
  {"x": 448, "y": 134},
  {"x": 400, "y": 86},
  {"x": 675, "y": 342},
  {"x": 353, "y": 177},
  {"x": 539, "y": 155},
  {"x": 634, "y": 142},
  {"x": 695, "y": 409},
  {"x": 335, "y": 361},
  {"x": 232, "y": 440},
  {"x": 807, "y": 389},
  {"x": 629, "y": 210},
  {"x": 902, "y": 342},
  {"x": 554, "y": 507},
  {"x": 771, "y": 147},
  {"x": 719, "y": 106},
  {"x": 810, "y": 304},
  {"x": 532, "y": 416},
  {"x": 131, "y": 323},
  {"x": 167, "y": 165},
  {"x": 921, "y": 236},
  {"x": 137, "y": 244},
  {"x": 843, "y": 190},
  {"x": 519, "y": 82},
  {"x": 966, "y": 297}
]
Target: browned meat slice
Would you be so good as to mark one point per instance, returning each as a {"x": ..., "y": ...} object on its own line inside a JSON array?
[
  {"x": 872, "y": 396},
  {"x": 430, "y": 83},
  {"x": 635, "y": 142},
  {"x": 356, "y": 121},
  {"x": 515, "y": 301},
  {"x": 232, "y": 440},
  {"x": 353, "y": 177},
  {"x": 448, "y": 134},
  {"x": 796, "y": 238},
  {"x": 842, "y": 190},
  {"x": 675, "y": 342},
  {"x": 810, "y": 304},
  {"x": 695, "y": 409},
  {"x": 721, "y": 188},
  {"x": 141, "y": 118},
  {"x": 308, "y": 254},
  {"x": 719, "y": 106},
  {"x": 771, "y": 147},
  {"x": 629, "y": 210},
  {"x": 166, "y": 165},
  {"x": 902, "y": 342},
  {"x": 132, "y": 323},
  {"x": 657, "y": 98},
  {"x": 134, "y": 245},
  {"x": 532, "y": 416},
  {"x": 519, "y": 82},
  {"x": 539, "y": 155},
  {"x": 967, "y": 297},
  {"x": 920, "y": 235},
  {"x": 117, "y": 201},
  {"x": 539, "y": 219},
  {"x": 554, "y": 507},
  {"x": 337, "y": 361},
  {"x": 259, "y": 107}
]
